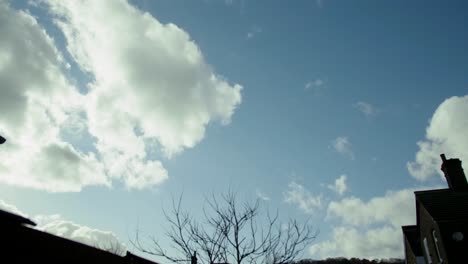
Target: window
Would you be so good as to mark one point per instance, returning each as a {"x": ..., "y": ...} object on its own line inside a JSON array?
[
  {"x": 426, "y": 250},
  {"x": 457, "y": 236},
  {"x": 420, "y": 260},
  {"x": 436, "y": 242}
]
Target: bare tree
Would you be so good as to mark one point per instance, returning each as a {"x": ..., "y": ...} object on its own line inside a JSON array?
[{"x": 230, "y": 233}]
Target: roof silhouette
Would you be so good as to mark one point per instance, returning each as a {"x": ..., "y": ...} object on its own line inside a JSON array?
[{"x": 21, "y": 243}]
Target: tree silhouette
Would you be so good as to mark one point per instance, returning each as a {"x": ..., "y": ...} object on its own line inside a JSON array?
[{"x": 230, "y": 233}]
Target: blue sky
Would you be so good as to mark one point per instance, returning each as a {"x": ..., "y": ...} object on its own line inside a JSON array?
[{"x": 262, "y": 97}]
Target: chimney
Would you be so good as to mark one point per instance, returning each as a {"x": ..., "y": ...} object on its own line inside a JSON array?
[
  {"x": 454, "y": 174},
  {"x": 194, "y": 259}
]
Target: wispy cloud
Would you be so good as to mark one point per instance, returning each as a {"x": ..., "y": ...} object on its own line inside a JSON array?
[
  {"x": 314, "y": 85},
  {"x": 339, "y": 186},
  {"x": 254, "y": 30},
  {"x": 261, "y": 195},
  {"x": 343, "y": 146},
  {"x": 319, "y": 3},
  {"x": 366, "y": 108},
  {"x": 301, "y": 197}
]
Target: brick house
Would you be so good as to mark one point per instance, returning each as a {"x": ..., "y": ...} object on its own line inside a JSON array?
[
  {"x": 441, "y": 231},
  {"x": 21, "y": 243}
]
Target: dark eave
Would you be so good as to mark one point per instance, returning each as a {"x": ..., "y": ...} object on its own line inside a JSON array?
[
  {"x": 444, "y": 204},
  {"x": 411, "y": 234}
]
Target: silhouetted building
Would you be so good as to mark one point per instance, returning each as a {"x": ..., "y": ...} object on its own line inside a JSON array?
[
  {"x": 21, "y": 243},
  {"x": 440, "y": 233}
]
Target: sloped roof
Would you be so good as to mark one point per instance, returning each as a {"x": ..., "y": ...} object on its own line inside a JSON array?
[
  {"x": 411, "y": 234},
  {"x": 444, "y": 204},
  {"x": 10, "y": 218},
  {"x": 24, "y": 244}
]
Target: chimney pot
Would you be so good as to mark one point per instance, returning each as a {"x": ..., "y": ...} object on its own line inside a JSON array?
[{"x": 454, "y": 174}]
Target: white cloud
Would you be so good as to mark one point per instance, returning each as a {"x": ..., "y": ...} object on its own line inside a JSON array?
[
  {"x": 446, "y": 133},
  {"x": 340, "y": 186},
  {"x": 151, "y": 84},
  {"x": 152, "y": 79},
  {"x": 35, "y": 101},
  {"x": 366, "y": 108},
  {"x": 254, "y": 30},
  {"x": 42, "y": 219},
  {"x": 92, "y": 237},
  {"x": 298, "y": 195},
  {"x": 56, "y": 225},
  {"x": 261, "y": 195},
  {"x": 342, "y": 145},
  {"x": 395, "y": 208},
  {"x": 382, "y": 242},
  {"x": 370, "y": 229},
  {"x": 314, "y": 85},
  {"x": 11, "y": 208}
]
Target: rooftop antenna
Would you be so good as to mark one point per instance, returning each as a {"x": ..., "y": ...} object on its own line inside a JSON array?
[{"x": 2, "y": 140}]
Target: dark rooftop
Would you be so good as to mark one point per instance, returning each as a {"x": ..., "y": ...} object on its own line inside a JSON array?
[
  {"x": 24, "y": 244},
  {"x": 10, "y": 218},
  {"x": 444, "y": 204}
]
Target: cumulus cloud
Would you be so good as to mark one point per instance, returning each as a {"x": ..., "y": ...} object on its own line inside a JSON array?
[
  {"x": 56, "y": 225},
  {"x": 11, "y": 208},
  {"x": 150, "y": 83},
  {"x": 153, "y": 77},
  {"x": 36, "y": 99},
  {"x": 301, "y": 197},
  {"x": 384, "y": 242},
  {"x": 366, "y": 108},
  {"x": 446, "y": 133},
  {"x": 343, "y": 146},
  {"x": 151, "y": 87},
  {"x": 42, "y": 219},
  {"x": 395, "y": 208},
  {"x": 339, "y": 186},
  {"x": 370, "y": 229},
  {"x": 93, "y": 237}
]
